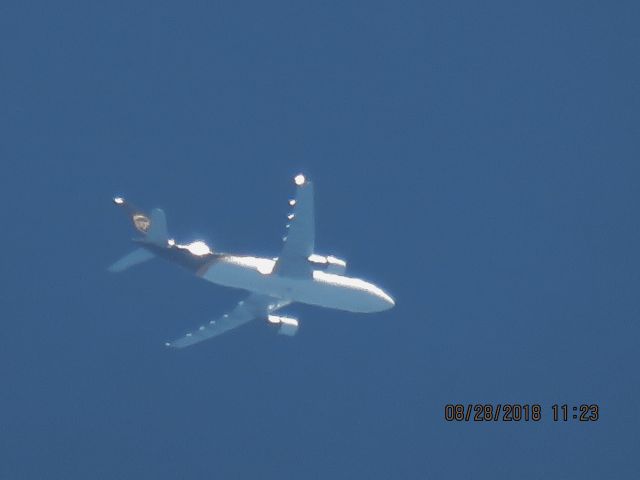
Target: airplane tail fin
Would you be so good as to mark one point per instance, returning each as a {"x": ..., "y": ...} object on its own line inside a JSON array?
[
  {"x": 154, "y": 229},
  {"x": 157, "y": 232}
]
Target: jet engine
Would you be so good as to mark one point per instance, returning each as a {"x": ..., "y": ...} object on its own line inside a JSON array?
[
  {"x": 329, "y": 264},
  {"x": 288, "y": 326}
]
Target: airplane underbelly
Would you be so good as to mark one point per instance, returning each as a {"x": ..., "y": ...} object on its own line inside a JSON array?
[{"x": 324, "y": 290}]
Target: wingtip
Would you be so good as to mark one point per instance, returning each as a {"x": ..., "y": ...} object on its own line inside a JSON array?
[{"x": 301, "y": 180}]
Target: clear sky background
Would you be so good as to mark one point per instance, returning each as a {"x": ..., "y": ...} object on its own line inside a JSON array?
[{"x": 479, "y": 160}]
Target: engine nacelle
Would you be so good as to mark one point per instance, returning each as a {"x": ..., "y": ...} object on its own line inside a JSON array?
[
  {"x": 329, "y": 264},
  {"x": 288, "y": 325}
]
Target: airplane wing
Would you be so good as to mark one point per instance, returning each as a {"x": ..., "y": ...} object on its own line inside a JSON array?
[
  {"x": 254, "y": 306},
  {"x": 299, "y": 241}
]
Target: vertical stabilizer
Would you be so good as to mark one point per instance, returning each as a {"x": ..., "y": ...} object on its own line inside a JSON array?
[
  {"x": 153, "y": 227},
  {"x": 157, "y": 232}
]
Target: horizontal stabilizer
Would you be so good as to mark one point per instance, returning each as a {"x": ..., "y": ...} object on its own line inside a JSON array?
[{"x": 136, "y": 257}]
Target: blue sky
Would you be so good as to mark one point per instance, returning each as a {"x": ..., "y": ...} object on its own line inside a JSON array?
[{"x": 479, "y": 160}]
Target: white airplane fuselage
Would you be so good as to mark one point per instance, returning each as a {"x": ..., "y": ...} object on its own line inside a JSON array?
[
  {"x": 323, "y": 289},
  {"x": 298, "y": 274}
]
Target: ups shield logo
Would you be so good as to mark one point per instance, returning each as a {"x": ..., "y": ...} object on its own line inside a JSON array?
[{"x": 141, "y": 222}]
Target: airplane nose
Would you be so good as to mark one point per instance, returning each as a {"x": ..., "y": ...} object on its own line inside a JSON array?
[
  {"x": 374, "y": 299},
  {"x": 388, "y": 301}
]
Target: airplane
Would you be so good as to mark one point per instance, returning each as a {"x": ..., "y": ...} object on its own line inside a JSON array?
[{"x": 298, "y": 274}]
